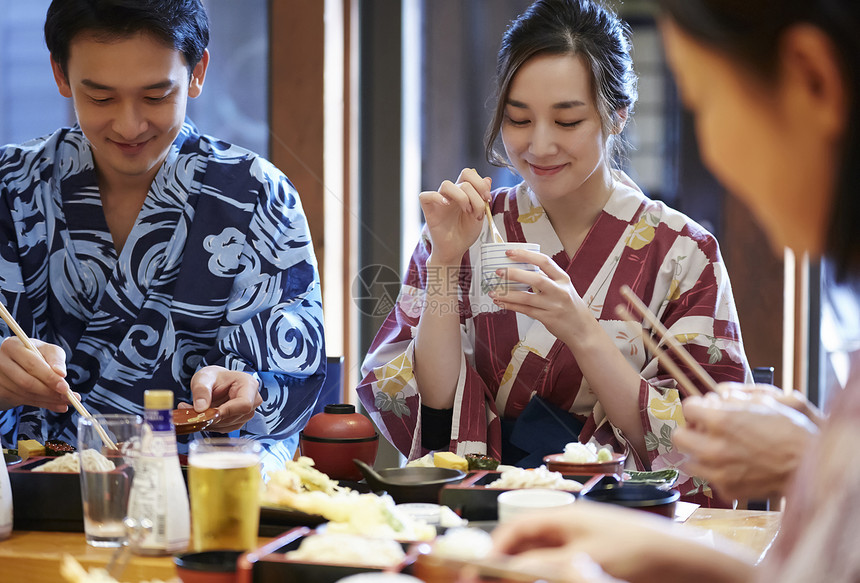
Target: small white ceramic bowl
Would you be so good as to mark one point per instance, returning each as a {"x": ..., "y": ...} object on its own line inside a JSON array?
[
  {"x": 493, "y": 258},
  {"x": 514, "y": 503}
]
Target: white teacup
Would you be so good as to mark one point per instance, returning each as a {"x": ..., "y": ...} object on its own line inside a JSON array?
[
  {"x": 514, "y": 503},
  {"x": 493, "y": 258}
]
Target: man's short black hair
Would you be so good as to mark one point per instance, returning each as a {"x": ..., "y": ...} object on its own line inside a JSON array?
[{"x": 181, "y": 24}]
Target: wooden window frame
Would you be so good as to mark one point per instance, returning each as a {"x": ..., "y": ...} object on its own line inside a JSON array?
[{"x": 312, "y": 117}]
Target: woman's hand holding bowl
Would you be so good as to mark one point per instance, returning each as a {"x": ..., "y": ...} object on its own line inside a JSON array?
[{"x": 553, "y": 300}]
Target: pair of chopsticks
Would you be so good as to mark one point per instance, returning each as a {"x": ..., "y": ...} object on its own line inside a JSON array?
[
  {"x": 16, "y": 329},
  {"x": 670, "y": 341}
]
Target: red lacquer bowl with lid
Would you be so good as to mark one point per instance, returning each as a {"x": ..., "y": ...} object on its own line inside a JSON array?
[{"x": 335, "y": 437}]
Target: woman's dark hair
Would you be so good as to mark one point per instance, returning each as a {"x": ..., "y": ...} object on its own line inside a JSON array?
[
  {"x": 569, "y": 27},
  {"x": 181, "y": 24},
  {"x": 748, "y": 32}
]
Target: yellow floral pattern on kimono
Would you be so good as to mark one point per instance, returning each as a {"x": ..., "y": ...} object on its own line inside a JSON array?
[
  {"x": 666, "y": 414},
  {"x": 668, "y": 408},
  {"x": 394, "y": 375},
  {"x": 642, "y": 234},
  {"x": 513, "y": 366},
  {"x": 674, "y": 291},
  {"x": 532, "y": 216}
]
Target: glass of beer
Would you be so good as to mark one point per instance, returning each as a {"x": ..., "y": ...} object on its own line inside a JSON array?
[{"x": 224, "y": 482}]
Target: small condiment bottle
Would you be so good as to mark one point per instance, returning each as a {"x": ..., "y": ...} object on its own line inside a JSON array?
[
  {"x": 5, "y": 503},
  {"x": 158, "y": 492}
]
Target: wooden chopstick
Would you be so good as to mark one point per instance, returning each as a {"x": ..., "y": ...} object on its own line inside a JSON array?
[
  {"x": 670, "y": 341},
  {"x": 497, "y": 237},
  {"x": 73, "y": 399},
  {"x": 662, "y": 356}
]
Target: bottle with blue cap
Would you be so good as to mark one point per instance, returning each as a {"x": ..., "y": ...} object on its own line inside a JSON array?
[{"x": 158, "y": 491}]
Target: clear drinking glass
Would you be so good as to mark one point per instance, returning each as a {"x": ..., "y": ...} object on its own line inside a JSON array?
[
  {"x": 224, "y": 482},
  {"x": 107, "y": 474}
]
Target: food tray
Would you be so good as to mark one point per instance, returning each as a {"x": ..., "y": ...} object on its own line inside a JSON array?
[
  {"x": 473, "y": 500},
  {"x": 51, "y": 501},
  {"x": 275, "y": 520},
  {"x": 45, "y": 500},
  {"x": 268, "y": 564}
]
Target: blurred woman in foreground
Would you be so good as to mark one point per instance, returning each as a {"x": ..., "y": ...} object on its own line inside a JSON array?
[{"x": 773, "y": 86}]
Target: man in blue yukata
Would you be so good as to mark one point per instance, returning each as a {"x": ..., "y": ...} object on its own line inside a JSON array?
[{"x": 139, "y": 254}]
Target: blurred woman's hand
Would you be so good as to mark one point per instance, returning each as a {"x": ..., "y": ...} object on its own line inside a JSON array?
[
  {"x": 794, "y": 399},
  {"x": 630, "y": 545},
  {"x": 745, "y": 445}
]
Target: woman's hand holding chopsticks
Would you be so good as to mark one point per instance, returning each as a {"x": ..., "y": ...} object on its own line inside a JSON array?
[
  {"x": 29, "y": 379},
  {"x": 455, "y": 215}
]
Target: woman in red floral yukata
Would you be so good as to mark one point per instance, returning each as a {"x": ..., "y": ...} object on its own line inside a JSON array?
[{"x": 517, "y": 375}]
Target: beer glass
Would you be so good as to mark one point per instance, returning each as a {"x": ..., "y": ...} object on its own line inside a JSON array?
[
  {"x": 106, "y": 475},
  {"x": 224, "y": 481}
]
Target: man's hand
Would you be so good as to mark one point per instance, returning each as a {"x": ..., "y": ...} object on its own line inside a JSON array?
[
  {"x": 236, "y": 395},
  {"x": 28, "y": 379}
]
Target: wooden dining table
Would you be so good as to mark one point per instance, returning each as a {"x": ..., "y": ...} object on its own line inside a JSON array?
[{"x": 35, "y": 556}]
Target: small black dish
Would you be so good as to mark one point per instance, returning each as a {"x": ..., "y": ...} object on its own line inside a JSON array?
[
  {"x": 410, "y": 483},
  {"x": 639, "y": 496},
  {"x": 207, "y": 566},
  {"x": 11, "y": 459},
  {"x": 275, "y": 520}
]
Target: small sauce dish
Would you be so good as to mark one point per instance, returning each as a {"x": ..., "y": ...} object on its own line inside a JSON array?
[
  {"x": 207, "y": 566},
  {"x": 557, "y": 463},
  {"x": 190, "y": 421},
  {"x": 640, "y": 496}
]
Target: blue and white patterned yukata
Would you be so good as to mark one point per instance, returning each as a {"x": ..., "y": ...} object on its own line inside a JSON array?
[{"x": 219, "y": 269}]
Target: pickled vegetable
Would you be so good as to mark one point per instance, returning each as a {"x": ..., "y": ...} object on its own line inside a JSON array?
[
  {"x": 481, "y": 462},
  {"x": 55, "y": 447}
]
